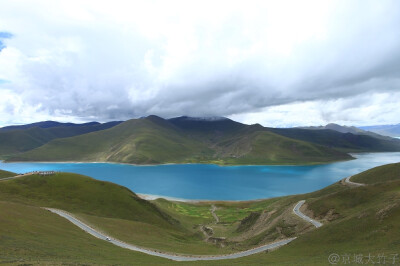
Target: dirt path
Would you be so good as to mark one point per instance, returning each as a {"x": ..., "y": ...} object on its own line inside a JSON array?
[{"x": 213, "y": 209}]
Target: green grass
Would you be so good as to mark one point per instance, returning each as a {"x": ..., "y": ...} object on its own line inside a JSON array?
[
  {"x": 30, "y": 235},
  {"x": 196, "y": 213},
  {"x": 77, "y": 193},
  {"x": 113, "y": 209},
  {"x": 6, "y": 174},
  {"x": 382, "y": 173}
]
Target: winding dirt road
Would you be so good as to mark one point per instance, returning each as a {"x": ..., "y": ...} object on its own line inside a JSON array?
[
  {"x": 174, "y": 257},
  {"x": 353, "y": 184},
  {"x": 297, "y": 211}
]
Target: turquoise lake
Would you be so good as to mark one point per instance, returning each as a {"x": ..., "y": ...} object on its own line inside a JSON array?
[{"x": 197, "y": 181}]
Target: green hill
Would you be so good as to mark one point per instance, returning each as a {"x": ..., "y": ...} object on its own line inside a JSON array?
[
  {"x": 77, "y": 193},
  {"x": 153, "y": 140},
  {"x": 14, "y": 141},
  {"x": 389, "y": 172},
  {"x": 6, "y": 174},
  {"x": 142, "y": 141}
]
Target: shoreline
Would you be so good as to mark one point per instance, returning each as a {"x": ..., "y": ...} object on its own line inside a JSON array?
[
  {"x": 220, "y": 165},
  {"x": 151, "y": 197}
]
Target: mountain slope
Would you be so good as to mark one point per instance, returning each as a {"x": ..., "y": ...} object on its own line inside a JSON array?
[
  {"x": 153, "y": 140},
  {"x": 78, "y": 193},
  {"x": 342, "y": 141},
  {"x": 146, "y": 141},
  {"x": 6, "y": 174},
  {"x": 51, "y": 124},
  {"x": 346, "y": 129},
  {"x": 348, "y": 139},
  {"x": 386, "y": 130},
  {"x": 13, "y": 141},
  {"x": 388, "y": 172}
]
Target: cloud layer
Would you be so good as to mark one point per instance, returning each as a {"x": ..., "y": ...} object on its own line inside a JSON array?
[{"x": 270, "y": 61}]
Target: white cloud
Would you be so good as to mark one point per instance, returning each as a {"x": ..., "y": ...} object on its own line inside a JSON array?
[
  {"x": 365, "y": 109},
  {"x": 102, "y": 60}
]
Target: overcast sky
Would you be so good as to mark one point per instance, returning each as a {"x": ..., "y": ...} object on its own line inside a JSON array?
[{"x": 277, "y": 63}]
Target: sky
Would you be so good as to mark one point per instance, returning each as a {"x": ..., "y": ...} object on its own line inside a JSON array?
[{"x": 277, "y": 63}]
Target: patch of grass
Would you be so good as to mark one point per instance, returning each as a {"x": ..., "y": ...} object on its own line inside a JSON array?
[
  {"x": 378, "y": 174},
  {"x": 247, "y": 222},
  {"x": 189, "y": 213},
  {"x": 6, "y": 174}
]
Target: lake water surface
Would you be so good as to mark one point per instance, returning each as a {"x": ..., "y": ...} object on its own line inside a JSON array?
[{"x": 197, "y": 181}]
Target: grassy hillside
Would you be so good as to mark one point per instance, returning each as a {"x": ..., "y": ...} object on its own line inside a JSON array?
[
  {"x": 154, "y": 140},
  {"x": 389, "y": 172},
  {"x": 33, "y": 236},
  {"x": 14, "y": 141},
  {"x": 142, "y": 141},
  {"x": 359, "y": 220},
  {"x": 270, "y": 148},
  {"x": 77, "y": 193},
  {"x": 6, "y": 174},
  {"x": 111, "y": 208}
]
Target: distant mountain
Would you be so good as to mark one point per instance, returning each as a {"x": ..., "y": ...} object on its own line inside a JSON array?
[
  {"x": 16, "y": 139},
  {"x": 347, "y": 129},
  {"x": 154, "y": 140},
  {"x": 347, "y": 142},
  {"x": 386, "y": 130},
  {"x": 51, "y": 124}
]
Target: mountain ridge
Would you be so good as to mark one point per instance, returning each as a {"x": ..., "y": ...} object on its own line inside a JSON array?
[
  {"x": 155, "y": 140},
  {"x": 387, "y": 130}
]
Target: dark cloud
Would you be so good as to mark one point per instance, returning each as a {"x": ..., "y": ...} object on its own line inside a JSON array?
[{"x": 92, "y": 62}]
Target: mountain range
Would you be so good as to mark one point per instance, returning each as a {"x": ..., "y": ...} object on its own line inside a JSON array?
[
  {"x": 154, "y": 140},
  {"x": 387, "y": 130}
]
